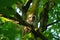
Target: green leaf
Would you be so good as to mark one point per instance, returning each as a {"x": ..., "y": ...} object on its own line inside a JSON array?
[{"x": 7, "y": 2}]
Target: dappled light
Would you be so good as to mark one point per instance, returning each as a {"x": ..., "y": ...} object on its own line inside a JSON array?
[{"x": 30, "y": 20}]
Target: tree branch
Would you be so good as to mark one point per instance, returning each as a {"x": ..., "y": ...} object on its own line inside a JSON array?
[
  {"x": 53, "y": 23},
  {"x": 26, "y": 6},
  {"x": 22, "y": 22},
  {"x": 35, "y": 33},
  {"x": 38, "y": 34}
]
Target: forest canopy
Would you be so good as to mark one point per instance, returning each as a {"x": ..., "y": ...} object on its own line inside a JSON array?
[{"x": 45, "y": 23}]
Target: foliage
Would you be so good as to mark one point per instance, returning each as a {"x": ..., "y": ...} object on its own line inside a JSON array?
[{"x": 10, "y": 30}]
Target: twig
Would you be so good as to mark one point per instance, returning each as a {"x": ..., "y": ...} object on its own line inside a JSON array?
[{"x": 53, "y": 23}]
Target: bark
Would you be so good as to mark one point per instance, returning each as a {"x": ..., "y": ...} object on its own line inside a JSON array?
[{"x": 33, "y": 8}]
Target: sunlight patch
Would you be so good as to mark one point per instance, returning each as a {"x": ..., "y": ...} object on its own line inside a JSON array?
[
  {"x": 49, "y": 26},
  {"x": 59, "y": 34},
  {"x": 52, "y": 30},
  {"x": 30, "y": 4},
  {"x": 54, "y": 21},
  {"x": 38, "y": 24},
  {"x": 18, "y": 11},
  {"x": 51, "y": 17}
]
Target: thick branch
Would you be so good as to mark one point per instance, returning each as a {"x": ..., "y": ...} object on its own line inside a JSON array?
[
  {"x": 39, "y": 34},
  {"x": 22, "y": 22},
  {"x": 36, "y": 33}
]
